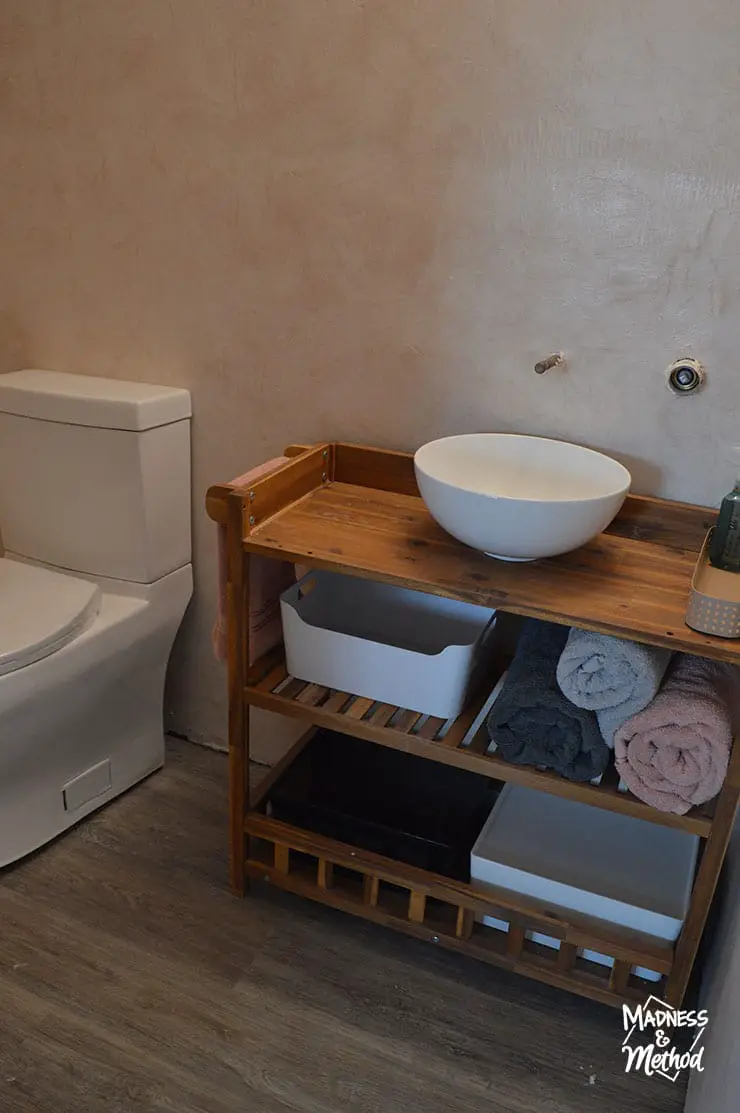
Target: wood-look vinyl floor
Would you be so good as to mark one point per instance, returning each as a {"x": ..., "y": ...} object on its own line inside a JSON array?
[{"x": 131, "y": 980}]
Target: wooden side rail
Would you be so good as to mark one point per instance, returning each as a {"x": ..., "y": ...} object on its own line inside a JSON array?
[{"x": 448, "y": 914}]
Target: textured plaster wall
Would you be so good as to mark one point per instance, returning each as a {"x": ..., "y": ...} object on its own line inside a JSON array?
[{"x": 368, "y": 219}]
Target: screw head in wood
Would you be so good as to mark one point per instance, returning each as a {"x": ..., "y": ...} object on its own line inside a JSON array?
[
  {"x": 435, "y": 939},
  {"x": 251, "y": 496},
  {"x": 251, "y": 519}
]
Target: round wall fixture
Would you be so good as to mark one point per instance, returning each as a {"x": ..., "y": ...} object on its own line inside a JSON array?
[{"x": 686, "y": 376}]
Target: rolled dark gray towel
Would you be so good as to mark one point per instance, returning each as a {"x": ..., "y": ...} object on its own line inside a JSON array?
[{"x": 532, "y": 723}]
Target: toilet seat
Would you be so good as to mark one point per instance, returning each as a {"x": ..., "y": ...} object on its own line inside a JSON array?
[{"x": 40, "y": 611}]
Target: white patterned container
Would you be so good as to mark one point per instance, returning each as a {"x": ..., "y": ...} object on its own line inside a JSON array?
[{"x": 714, "y": 600}]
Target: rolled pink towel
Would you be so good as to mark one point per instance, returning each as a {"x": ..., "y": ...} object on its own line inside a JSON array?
[{"x": 674, "y": 754}]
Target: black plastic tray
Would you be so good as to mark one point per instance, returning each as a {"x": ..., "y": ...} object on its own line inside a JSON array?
[{"x": 416, "y": 811}]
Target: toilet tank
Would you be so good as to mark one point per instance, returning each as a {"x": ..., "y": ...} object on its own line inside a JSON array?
[{"x": 95, "y": 474}]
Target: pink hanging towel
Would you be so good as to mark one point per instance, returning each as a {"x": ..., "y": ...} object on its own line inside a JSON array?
[{"x": 269, "y": 578}]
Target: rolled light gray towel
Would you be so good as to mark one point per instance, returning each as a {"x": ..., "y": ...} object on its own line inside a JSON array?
[
  {"x": 614, "y": 677},
  {"x": 532, "y": 723}
]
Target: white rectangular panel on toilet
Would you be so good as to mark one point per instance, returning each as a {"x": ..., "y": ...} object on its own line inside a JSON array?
[{"x": 93, "y": 782}]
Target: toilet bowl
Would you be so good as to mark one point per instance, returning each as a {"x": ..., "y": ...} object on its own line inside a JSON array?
[{"x": 94, "y": 582}]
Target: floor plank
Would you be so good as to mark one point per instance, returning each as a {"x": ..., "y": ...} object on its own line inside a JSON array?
[{"x": 132, "y": 981}]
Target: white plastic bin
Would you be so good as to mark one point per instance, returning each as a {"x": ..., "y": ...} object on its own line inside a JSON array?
[
  {"x": 386, "y": 643},
  {"x": 574, "y": 856}
]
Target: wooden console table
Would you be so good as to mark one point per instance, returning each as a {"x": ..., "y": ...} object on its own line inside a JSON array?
[{"x": 358, "y": 510}]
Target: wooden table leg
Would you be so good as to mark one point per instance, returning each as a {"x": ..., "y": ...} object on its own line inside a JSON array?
[
  {"x": 238, "y": 656},
  {"x": 705, "y": 883}
]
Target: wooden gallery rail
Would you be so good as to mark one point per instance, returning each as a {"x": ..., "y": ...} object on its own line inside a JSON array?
[{"x": 358, "y": 510}]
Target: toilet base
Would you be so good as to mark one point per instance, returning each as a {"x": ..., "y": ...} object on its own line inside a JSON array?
[{"x": 86, "y": 723}]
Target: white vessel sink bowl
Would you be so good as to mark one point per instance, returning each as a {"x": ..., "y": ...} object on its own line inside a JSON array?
[{"x": 517, "y": 497}]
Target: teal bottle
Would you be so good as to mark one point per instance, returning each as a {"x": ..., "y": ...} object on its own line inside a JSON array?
[{"x": 724, "y": 547}]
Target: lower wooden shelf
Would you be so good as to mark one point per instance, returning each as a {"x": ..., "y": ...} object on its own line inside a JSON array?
[{"x": 447, "y": 913}]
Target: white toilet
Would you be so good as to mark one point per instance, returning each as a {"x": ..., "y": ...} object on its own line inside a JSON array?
[{"x": 95, "y": 580}]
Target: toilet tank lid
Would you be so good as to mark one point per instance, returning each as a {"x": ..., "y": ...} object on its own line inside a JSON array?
[{"x": 84, "y": 400}]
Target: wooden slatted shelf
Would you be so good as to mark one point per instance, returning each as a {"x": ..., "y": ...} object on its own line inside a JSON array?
[
  {"x": 407, "y": 730},
  {"x": 449, "y": 913},
  {"x": 357, "y": 510}
]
